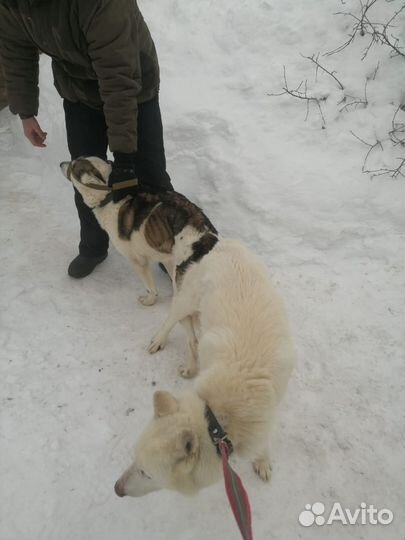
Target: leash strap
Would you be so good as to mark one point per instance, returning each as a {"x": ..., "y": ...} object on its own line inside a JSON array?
[
  {"x": 216, "y": 431},
  {"x": 237, "y": 496}
]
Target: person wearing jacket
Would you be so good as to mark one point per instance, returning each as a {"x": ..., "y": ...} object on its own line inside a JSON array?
[{"x": 106, "y": 70}]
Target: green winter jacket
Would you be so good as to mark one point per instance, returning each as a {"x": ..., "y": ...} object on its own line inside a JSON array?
[{"x": 102, "y": 56}]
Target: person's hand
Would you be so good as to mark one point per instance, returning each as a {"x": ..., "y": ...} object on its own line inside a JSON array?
[
  {"x": 123, "y": 169},
  {"x": 33, "y": 132}
]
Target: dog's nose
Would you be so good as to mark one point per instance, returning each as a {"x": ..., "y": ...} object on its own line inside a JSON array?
[{"x": 119, "y": 488}]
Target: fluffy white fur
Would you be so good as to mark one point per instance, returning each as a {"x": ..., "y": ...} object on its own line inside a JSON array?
[{"x": 245, "y": 357}]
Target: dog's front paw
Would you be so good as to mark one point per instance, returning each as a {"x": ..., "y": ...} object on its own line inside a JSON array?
[
  {"x": 157, "y": 344},
  {"x": 148, "y": 299},
  {"x": 187, "y": 371},
  {"x": 262, "y": 468}
]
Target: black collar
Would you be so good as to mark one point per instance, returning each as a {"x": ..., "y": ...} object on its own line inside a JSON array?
[
  {"x": 216, "y": 432},
  {"x": 109, "y": 197}
]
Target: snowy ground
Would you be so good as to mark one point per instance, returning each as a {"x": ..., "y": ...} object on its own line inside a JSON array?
[{"x": 76, "y": 380}]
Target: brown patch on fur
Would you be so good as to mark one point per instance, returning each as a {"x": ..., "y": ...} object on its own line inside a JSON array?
[
  {"x": 158, "y": 232},
  {"x": 134, "y": 212},
  {"x": 186, "y": 213},
  {"x": 143, "y": 204},
  {"x": 82, "y": 166},
  {"x": 126, "y": 218},
  {"x": 165, "y": 215}
]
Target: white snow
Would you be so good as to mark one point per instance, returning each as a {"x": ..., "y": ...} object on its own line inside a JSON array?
[{"x": 76, "y": 379}]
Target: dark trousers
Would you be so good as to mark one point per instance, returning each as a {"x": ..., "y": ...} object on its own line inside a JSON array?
[{"x": 87, "y": 136}]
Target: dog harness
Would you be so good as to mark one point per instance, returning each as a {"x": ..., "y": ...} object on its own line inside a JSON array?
[{"x": 237, "y": 496}]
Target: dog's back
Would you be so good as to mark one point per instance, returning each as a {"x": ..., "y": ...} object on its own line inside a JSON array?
[
  {"x": 245, "y": 351},
  {"x": 146, "y": 225}
]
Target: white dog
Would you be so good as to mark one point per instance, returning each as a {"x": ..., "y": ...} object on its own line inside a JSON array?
[
  {"x": 160, "y": 227},
  {"x": 246, "y": 357}
]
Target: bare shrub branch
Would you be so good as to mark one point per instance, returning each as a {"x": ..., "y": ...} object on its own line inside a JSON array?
[
  {"x": 299, "y": 94},
  {"x": 394, "y": 172},
  {"x": 397, "y": 133},
  {"x": 371, "y": 148},
  {"x": 385, "y": 39},
  {"x": 315, "y": 60},
  {"x": 382, "y": 34},
  {"x": 358, "y": 26},
  {"x": 378, "y": 32},
  {"x": 357, "y": 101}
]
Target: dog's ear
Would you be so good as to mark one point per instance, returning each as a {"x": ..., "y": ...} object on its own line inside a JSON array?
[
  {"x": 187, "y": 451},
  {"x": 188, "y": 443},
  {"x": 65, "y": 167},
  {"x": 164, "y": 403}
]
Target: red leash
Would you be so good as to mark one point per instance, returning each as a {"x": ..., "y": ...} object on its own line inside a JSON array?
[{"x": 238, "y": 498}]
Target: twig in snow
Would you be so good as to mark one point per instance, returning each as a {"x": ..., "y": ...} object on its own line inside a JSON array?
[
  {"x": 378, "y": 32},
  {"x": 371, "y": 148},
  {"x": 394, "y": 172},
  {"x": 315, "y": 60},
  {"x": 385, "y": 39},
  {"x": 357, "y": 28},
  {"x": 299, "y": 94},
  {"x": 374, "y": 75},
  {"x": 357, "y": 101},
  {"x": 397, "y": 133}
]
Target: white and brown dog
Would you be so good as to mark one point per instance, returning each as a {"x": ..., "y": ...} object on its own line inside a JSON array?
[
  {"x": 163, "y": 227},
  {"x": 245, "y": 354}
]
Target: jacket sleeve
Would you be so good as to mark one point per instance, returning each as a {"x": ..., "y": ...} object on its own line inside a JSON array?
[
  {"x": 20, "y": 60},
  {"x": 113, "y": 46}
]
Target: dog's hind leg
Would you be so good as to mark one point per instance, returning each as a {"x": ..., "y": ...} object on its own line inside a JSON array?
[
  {"x": 146, "y": 275},
  {"x": 189, "y": 370},
  {"x": 262, "y": 465}
]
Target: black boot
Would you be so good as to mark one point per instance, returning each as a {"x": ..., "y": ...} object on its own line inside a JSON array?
[{"x": 82, "y": 266}]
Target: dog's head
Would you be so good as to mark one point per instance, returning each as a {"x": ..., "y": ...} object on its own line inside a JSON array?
[
  {"x": 174, "y": 452},
  {"x": 85, "y": 174}
]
